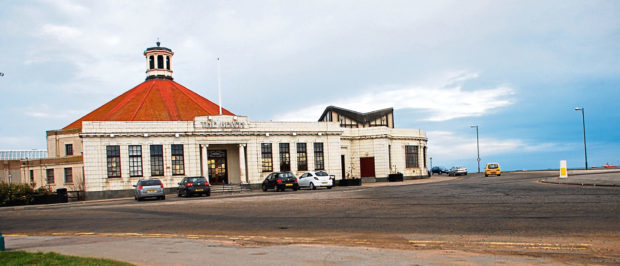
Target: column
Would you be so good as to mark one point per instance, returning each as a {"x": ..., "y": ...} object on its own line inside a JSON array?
[
  {"x": 242, "y": 175},
  {"x": 205, "y": 161}
]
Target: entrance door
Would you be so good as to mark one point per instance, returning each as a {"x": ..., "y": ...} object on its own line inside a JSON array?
[
  {"x": 218, "y": 169},
  {"x": 367, "y": 167}
]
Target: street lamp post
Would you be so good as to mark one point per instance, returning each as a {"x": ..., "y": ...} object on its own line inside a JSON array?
[
  {"x": 477, "y": 146},
  {"x": 431, "y": 163},
  {"x": 583, "y": 123}
]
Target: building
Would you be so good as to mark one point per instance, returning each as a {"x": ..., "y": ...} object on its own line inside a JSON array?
[
  {"x": 11, "y": 161},
  {"x": 160, "y": 129}
]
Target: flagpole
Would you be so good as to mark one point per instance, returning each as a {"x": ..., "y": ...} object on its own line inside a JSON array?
[{"x": 219, "y": 84}]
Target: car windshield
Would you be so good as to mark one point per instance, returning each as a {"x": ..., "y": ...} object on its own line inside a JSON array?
[
  {"x": 321, "y": 174},
  {"x": 196, "y": 179},
  {"x": 152, "y": 182},
  {"x": 493, "y": 166},
  {"x": 285, "y": 175}
]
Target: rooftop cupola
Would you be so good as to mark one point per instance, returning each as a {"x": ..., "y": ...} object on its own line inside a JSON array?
[{"x": 158, "y": 62}]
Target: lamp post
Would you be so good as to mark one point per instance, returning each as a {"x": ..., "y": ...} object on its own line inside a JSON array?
[
  {"x": 583, "y": 123},
  {"x": 431, "y": 162},
  {"x": 477, "y": 146}
]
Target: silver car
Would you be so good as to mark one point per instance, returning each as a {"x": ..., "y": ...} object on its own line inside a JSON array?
[
  {"x": 147, "y": 188},
  {"x": 457, "y": 170}
]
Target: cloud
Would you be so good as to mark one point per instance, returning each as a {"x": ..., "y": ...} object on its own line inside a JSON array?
[
  {"x": 450, "y": 146},
  {"x": 68, "y": 7},
  {"x": 443, "y": 100},
  {"x": 45, "y": 111},
  {"x": 61, "y": 32},
  {"x": 20, "y": 143}
]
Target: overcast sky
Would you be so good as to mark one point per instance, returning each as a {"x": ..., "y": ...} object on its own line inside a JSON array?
[{"x": 515, "y": 68}]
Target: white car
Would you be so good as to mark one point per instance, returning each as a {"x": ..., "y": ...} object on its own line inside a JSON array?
[{"x": 313, "y": 180}]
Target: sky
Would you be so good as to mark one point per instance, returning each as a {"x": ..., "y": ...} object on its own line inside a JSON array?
[{"x": 516, "y": 69}]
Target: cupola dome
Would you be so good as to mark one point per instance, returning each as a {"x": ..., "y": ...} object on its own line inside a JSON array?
[{"x": 158, "y": 62}]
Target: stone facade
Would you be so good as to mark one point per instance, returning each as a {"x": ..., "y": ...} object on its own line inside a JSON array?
[{"x": 235, "y": 136}]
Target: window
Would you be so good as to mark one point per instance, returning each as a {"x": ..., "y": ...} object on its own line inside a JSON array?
[
  {"x": 157, "y": 160},
  {"x": 285, "y": 157},
  {"x": 319, "y": 162},
  {"x": 160, "y": 61},
  {"x": 411, "y": 156},
  {"x": 68, "y": 175},
  {"x": 31, "y": 176},
  {"x": 382, "y": 121},
  {"x": 68, "y": 149},
  {"x": 267, "y": 160},
  {"x": 424, "y": 150},
  {"x": 168, "y": 62},
  {"x": 113, "y": 153},
  {"x": 302, "y": 157},
  {"x": 346, "y": 122},
  {"x": 178, "y": 167},
  {"x": 50, "y": 176},
  {"x": 151, "y": 62},
  {"x": 135, "y": 160}
]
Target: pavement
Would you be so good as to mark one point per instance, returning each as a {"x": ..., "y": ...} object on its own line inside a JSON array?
[
  {"x": 188, "y": 250},
  {"x": 593, "y": 177}
]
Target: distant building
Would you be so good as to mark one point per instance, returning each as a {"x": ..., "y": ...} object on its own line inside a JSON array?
[
  {"x": 352, "y": 119},
  {"x": 11, "y": 161},
  {"x": 161, "y": 129}
]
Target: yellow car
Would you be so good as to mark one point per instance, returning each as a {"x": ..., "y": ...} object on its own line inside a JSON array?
[{"x": 492, "y": 169}]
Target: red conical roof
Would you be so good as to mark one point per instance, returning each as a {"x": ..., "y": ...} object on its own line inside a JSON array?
[{"x": 153, "y": 100}]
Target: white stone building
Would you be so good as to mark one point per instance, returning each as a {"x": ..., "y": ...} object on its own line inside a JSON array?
[{"x": 160, "y": 129}]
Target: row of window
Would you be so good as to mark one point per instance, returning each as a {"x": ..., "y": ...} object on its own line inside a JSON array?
[
  {"x": 160, "y": 62},
  {"x": 113, "y": 156},
  {"x": 351, "y": 123},
  {"x": 49, "y": 174},
  {"x": 285, "y": 157},
  {"x": 178, "y": 167}
]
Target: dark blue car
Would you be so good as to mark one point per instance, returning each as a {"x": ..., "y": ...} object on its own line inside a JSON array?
[
  {"x": 194, "y": 185},
  {"x": 438, "y": 170}
]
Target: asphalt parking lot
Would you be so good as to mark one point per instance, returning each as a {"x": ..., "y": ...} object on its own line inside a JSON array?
[{"x": 513, "y": 219}]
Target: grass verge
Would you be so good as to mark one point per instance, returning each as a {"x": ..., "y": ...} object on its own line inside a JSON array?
[{"x": 51, "y": 258}]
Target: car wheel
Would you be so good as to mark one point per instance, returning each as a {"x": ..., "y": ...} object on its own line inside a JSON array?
[
  {"x": 499, "y": 174},
  {"x": 187, "y": 194},
  {"x": 208, "y": 194},
  {"x": 264, "y": 187},
  {"x": 139, "y": 199},
  {"x": 312, "y": 186},
  {"x": 486, "y": 175},
  {"x": 295, "y": 188},
  {"x": 135, "y": 197},
  {"x": 330, "y": 187}
]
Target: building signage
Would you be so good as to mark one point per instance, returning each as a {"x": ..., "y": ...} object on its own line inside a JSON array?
[{"x": 222, "y": 122}]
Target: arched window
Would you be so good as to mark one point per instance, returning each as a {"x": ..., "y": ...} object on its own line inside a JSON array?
[
  {"x": 151, "y": 62},
  {"x": 160, "y": 61},
  {"x": 168, "y": 62}
]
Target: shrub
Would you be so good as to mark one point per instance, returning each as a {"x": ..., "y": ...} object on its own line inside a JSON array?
[{"x": 15, "y": 194}]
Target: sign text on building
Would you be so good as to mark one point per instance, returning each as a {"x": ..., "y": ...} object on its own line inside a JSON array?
[{"x": 222, "y": 122}]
